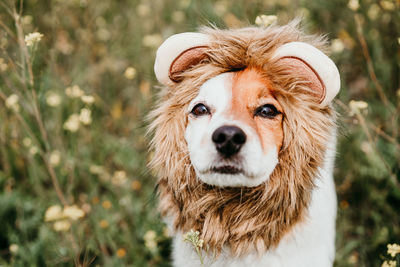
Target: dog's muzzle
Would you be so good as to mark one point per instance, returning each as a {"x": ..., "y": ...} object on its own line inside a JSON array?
[{"x": 228, "y": 140}]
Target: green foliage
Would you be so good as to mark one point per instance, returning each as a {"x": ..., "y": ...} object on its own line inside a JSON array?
[{"x": 72, "y": 108}]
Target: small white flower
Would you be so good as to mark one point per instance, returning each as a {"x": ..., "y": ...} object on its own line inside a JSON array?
[
  {"x": 178, "y": 16},
  {"x": 130, "y": 73},
  {"x": 73, "y": 212},
  {"x": 87, "y": 99},
  {"x": 150, "y": 240},
  {"x": 152, "y": 40},
  {"x": 166, "y": 232},
  {"x": 355, "y": 106},
  {"x": 74, "y": 92},
  {"x": 33, "y": 150},
  {"x": 265, "y": 20},
  {"x": 53, "y": 213},
  {"x": 337, "y": 46},
  {"x": 62, "y": 226},
  {"x": 53, "y": 99},
  {"x": 96, "y": 169},
  {"x": 55, "y": 157},
  {"x": 373, "y": 11},
  {"x": 388, "y": 5},
  {"x": 33, "y": 38},
  {"x": 150, "y": 235},
  {"x": 27, "y": 141},
  {"x": 12, "y": 102},
  {"x": 119, "y": 178},
  {"x": 13, "y": 248},
  {"x": 3, "y": 65},
  {"x": 72, "y": 123},
  {"x": 143, "y": 10},
  {"x": 85, "y": 116},
  {"x": 389, "y": 264},
  {"x": 353, "y": 5},
  {"x": 103, "y": 34},
  {"x": 393, "y": 249},
  {"x": 27, "y": 19}
]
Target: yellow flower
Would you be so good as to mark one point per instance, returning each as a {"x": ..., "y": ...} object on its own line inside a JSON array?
[
  {"x": 73, "y": 212},
  {"x": 87, "y": 99},
  {"x": 121, "y": 252},
  {"x": 104, "y": 224},
  {"x": 85, "y": 116},
  {"x": 72, "y": 123},
  {"x": 130, "y": 73},
  {"x": 53, "y": 99},
  {"x": 265, "y": 20},
  {"x": 33, "y": 38},
  {"x": 136, "y": 185},
  {"x": 353, "y": 5},
  {"x": 106, "y": 204},
  {"x": 55, "y": 157},
  {"x": 61, "y": 226},
  {"x": 393, "y": 249},
  {"x": 12, "y": 102}
]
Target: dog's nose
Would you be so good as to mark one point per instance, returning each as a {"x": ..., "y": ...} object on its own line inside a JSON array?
[{"x": 228, "y": 140}]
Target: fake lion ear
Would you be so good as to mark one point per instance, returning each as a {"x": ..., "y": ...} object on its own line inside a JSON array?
[
  {"x": 178, "y": 53},
  {"x": 313, "y": 64}
]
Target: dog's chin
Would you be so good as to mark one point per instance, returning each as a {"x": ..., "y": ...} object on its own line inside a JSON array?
[{"x": 230, "y": 176}]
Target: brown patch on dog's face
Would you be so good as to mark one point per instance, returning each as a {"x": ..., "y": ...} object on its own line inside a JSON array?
[{"x": 250, "y": 91}]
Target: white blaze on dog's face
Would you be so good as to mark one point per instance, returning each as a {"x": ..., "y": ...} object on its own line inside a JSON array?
[{"x": 234, "y": 130}]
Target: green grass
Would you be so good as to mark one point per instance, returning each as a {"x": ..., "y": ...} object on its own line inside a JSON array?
[{"x": 101, "y": 167}]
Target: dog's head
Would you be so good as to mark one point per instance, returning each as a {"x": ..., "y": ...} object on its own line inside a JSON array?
[{"x": 241, "y": 130}]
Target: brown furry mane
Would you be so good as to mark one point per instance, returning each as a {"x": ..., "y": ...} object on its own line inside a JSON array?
[{"x": 242, "y": 218}]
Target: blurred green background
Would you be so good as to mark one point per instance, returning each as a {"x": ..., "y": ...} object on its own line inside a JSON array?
[{"x": 74, "y": 185}]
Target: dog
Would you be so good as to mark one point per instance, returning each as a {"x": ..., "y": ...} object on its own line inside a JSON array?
[{"x": 244, "y": 140}]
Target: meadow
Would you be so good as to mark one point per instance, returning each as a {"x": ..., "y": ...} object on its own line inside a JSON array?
[{"x": 77, "y": 81}]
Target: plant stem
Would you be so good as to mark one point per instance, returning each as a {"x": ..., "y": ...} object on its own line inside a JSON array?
[{"x": 367, "y": 56}]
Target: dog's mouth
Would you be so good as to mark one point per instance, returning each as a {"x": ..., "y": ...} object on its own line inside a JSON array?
[{"x": 226, "y": 169}]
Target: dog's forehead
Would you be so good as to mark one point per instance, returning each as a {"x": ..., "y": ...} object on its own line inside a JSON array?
[{"x": 217, "y": 91}]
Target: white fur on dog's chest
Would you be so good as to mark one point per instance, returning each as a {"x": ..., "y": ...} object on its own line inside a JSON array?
[{"x": 310, "y": 243}]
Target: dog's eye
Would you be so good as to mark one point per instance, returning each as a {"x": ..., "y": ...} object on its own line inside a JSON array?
[
  {"x": 267, "y": 111},
  {"x": 200, "y": 110}
]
